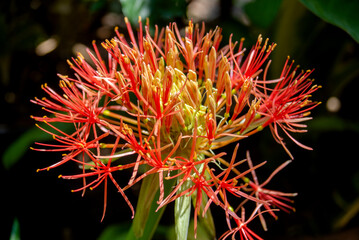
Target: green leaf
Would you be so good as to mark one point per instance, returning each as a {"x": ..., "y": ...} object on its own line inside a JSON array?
[
  {"x": 262, "y": 12},
  {"x": 182, "y": 212},
  {"x": 343, "y": 14},
  {"x": 202, "y": 232},
  {"x": 19, "y": 147},
  {"x": 15, "y": 231}
]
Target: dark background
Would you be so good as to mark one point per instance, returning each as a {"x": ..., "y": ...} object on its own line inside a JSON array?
[{"x": 326, "y": 179}]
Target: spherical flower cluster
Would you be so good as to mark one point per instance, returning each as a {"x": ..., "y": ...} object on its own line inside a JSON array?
[{"x": 164, "y": 104}]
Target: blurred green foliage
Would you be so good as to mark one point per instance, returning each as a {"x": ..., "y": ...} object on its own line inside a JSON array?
[
  {"x": 343, "y": 14},
  {"x": 15, "y": 233},
  {"x": 262, "y": 13}
]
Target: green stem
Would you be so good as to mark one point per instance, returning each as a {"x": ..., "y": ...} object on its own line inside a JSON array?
[
  {"x": 147, "y": 193},
  {"x": 207, "y": 221},
  {"x": 147, "y": 218}
]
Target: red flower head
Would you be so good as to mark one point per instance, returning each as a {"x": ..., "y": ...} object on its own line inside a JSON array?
[{"x": 172, "y": 101}]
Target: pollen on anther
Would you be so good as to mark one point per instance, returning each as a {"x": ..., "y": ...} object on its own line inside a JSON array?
[
  {"x": 69, "y": 63},
  {"x": 306, "y": 114}
]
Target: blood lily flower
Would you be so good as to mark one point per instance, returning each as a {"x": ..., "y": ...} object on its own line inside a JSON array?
[
  {"x": 171, "y": 102},
  {"x": 245, "y": 233},
  {"x": 272, "y": 200}
]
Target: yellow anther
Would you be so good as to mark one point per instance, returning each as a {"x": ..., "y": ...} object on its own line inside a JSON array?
[
  {"x": 304, "y": 103},
  {"x": 306, "y": 114},
  {"x": 235, "y": 182},
  {"x": 80, "y": 56},
  {"x": 315, "y": 86},
  {"x": 69, "y": 63}
]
